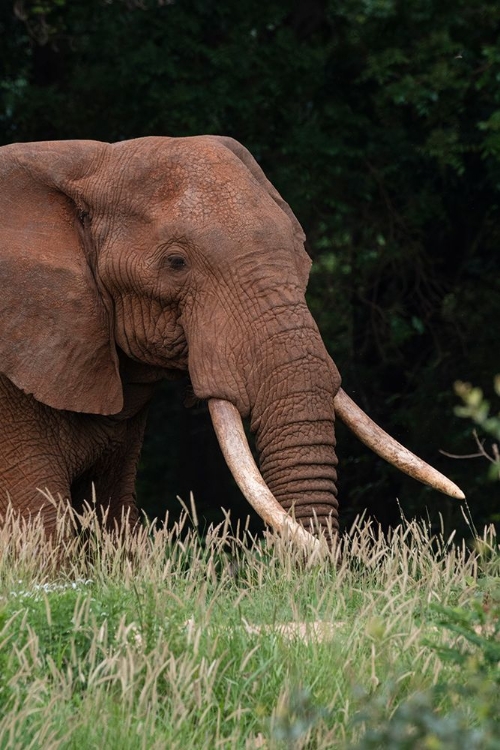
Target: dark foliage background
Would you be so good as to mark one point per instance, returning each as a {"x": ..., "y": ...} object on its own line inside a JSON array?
[{"x": 379, "y": 122}]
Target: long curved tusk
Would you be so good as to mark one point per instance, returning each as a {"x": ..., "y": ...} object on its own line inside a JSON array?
[
  {"x": 232, "y": 440},
  {"x": 380, "y": 442}
]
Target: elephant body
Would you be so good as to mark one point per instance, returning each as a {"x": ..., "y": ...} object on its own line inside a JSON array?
[
  {"x": 122, "y": 264},
  {"x": 125, "y": 263}
]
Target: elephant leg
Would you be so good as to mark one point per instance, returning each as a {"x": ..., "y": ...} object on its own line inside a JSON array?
[
  {"x": 111, "y": 479},
  {"x": 30, "y": 457},
  {"x": 24, "y": 488},
  {"x": 34, "y": 480},
  {"x": 112, "y": 489}
]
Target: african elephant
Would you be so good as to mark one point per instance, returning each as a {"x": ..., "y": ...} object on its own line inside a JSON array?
[{"x": 122, "y": 264}]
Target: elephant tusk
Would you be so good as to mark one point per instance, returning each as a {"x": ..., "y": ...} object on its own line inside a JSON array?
[
  {"x": 234, "y": 445},
  {"x": 380, "y": 442}
]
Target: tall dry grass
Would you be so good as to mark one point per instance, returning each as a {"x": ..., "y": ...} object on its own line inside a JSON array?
[{"x": 162, "y": 638}]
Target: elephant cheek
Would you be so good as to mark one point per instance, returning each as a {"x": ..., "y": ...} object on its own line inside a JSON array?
[{"x": 215, "y": 375}]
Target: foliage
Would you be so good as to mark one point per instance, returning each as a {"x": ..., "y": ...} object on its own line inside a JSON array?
[
  {"x": 470, "y": 720},
  {"x": 419, "y": 725},
  {"x": 477, "y": 408},
  {"x": 166, "y": 640},
  {"x": 379, "y": 122}
]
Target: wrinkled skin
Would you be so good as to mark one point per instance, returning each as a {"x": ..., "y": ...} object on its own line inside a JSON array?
[{"x": 126, "y": 263}]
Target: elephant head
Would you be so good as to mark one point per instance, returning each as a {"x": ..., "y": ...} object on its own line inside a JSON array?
[{"x": 179, "y": 254}]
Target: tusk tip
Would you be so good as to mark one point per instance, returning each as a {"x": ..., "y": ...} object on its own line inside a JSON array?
[{"x": 447, "y": 487}]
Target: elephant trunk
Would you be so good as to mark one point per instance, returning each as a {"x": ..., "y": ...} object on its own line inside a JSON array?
[{"x": 293, "y": 420}]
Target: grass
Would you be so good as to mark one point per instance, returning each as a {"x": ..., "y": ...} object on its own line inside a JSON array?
[{"x": 168, "y": 640}]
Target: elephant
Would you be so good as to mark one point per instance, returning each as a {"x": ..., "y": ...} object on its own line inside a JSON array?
[{"x": 122, "y": 264}]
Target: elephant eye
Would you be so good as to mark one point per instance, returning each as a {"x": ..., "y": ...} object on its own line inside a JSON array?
[{"x": 176, "y": 262}]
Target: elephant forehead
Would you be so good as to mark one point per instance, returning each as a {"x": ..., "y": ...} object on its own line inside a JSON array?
[
  {"x": 174, "y": 163},
  {"x": 195, "y": 175},
  {"x": 230, "y": 208}
]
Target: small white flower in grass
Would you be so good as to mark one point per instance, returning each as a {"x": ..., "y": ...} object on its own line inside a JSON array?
[
  {"x": 48, "y": 588},
  {"x": 136, "y": 637}
]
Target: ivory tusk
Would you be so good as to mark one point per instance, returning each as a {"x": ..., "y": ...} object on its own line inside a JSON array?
[
  {"x": 232, "y": 440},
  {"x": 380, "y": 442}
]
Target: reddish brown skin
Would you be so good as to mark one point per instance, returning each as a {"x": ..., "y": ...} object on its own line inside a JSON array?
[{"x": 121, "y": 264}]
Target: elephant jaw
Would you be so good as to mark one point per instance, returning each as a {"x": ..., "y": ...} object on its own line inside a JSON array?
[{"x": 231, "y": 436}]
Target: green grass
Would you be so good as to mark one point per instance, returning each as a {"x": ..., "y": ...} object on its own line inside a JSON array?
[{"x": 168, "y": 641}]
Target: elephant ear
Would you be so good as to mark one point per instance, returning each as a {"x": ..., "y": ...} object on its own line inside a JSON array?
[
  {"x": 55, "y": 332},
  {"x": 248, "y": 160}
]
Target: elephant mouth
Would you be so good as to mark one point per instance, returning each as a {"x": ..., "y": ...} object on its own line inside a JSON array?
[{"x": 231, "y": 436}]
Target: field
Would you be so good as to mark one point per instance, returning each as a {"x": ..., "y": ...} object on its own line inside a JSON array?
[{"x": 170, "y": 640}]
